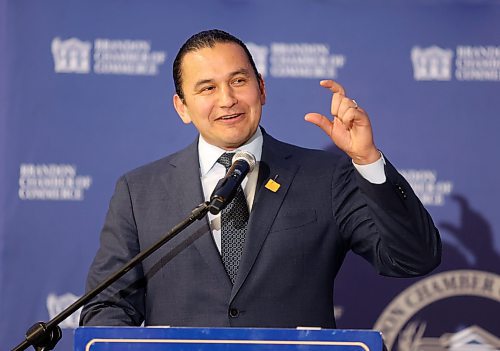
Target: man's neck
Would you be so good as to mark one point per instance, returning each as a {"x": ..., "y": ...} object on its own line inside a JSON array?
[{"x": 208, "y": 153}]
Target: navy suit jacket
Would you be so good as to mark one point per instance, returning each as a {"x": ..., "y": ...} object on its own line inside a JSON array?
[{"x": 296, "y": 241}]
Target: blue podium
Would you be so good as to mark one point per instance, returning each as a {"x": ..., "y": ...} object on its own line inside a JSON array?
[{"x": 224, "y": 339}]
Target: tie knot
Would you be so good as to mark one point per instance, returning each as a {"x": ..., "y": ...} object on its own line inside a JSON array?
[{"x": 226, "y": 159}]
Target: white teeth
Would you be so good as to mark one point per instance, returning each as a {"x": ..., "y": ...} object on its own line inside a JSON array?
[{"x": 229, "y": 117}]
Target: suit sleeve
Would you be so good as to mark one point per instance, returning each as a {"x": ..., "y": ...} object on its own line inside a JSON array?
[
  {"x": 122, "y": 303},
  {"x": 386, "y": 223}
]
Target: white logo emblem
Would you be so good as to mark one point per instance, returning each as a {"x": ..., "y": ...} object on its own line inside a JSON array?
[
  {"x": 56, "y": 304},
  {"x": 52, "y": 182},
  {"x": 472, "y": 338},
  {"x": 432, "y": 63},
  {"x": 71, "y": 56},
  {"x": 403, "y": 332},
  {"x": 259, "y": 54},
  {"x": 124, "y": 57},
  {"x": 304, "y": 60},
  {"x": 425, "y": 184}
]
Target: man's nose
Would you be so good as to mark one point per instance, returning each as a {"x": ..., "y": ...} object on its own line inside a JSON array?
[{"x": 227, "y": 97}]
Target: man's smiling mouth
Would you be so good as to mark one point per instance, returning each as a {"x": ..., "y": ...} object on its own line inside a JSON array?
[{"x": 229, "y": 117}]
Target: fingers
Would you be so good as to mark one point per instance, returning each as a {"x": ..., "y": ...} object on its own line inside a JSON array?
[
  {"x": 346, "y": 122},
  {"x": 350, "y": 128},
  {"x": 333, "y": 86},
  {"x": 340, "y": 103},
  {"x": 344, "y": 109},
  {"x": 348, "y": 116}
]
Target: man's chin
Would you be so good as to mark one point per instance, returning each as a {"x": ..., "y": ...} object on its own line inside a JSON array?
[
  {"x": 231, "y": 139},
  {"x": 232, "y": 144}
]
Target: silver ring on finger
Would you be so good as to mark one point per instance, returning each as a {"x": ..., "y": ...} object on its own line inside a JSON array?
[{"x": 355, "y": 104}]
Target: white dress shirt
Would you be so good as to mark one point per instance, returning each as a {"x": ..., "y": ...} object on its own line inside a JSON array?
[{"x": 211, "y": 171}]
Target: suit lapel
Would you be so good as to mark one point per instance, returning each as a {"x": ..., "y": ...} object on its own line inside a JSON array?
[
  {"x": 189, "y": 193},
  {"x": 275, "y": 161}
]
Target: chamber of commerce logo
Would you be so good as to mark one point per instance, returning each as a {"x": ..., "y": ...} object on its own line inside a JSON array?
[
  {"x": 472, "y": 63},
  {"x": 296, "y": 60},
  {"x": 106, "y": 56},
  {"x": 425, "y": 184},
  {"x": 304, "y": 60},
  {"x": 71, "y": 56},
  {"x": 54, "y": 182},
  {"x": 403, "y": 329},
  {"x": 57, "y": 303},
  {"x": 259, "y": 54},
  {"x": 431, "y": 63}
]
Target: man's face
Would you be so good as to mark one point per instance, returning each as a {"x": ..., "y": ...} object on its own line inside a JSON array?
[{"x": 222, "y": 96}]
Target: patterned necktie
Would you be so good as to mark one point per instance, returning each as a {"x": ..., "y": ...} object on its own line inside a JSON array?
[{"x": 234, "y": 219}]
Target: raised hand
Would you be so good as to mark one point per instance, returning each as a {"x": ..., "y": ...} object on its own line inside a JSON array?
[{"x": 350, "y": 128}]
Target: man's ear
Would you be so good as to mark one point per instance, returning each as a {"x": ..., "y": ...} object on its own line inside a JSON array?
[
  {"x": 181, "y": 109},
  {"x": 262, "y": 87}
]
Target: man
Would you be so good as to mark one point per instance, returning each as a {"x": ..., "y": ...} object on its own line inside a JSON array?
[{"x": 307, "y": 209}]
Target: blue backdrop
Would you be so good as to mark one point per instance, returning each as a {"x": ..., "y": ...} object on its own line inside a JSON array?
[{"x": 85, "y": 95}]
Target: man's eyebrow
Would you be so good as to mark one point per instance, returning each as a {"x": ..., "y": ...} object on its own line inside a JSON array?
[
  {"x": 243, "y": 71},
  {"x": 202, "y": 82}
]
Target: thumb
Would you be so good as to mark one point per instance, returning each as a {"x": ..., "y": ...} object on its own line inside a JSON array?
[{"x": 321, "y": 121}]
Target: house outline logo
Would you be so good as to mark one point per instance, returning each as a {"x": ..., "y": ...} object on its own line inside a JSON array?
[
  {"x": 432, "y": 63},
  {"x": 473, "y": 338},
  {"x": 71, "y": 55},
  {"x": 259, "y": 54}
]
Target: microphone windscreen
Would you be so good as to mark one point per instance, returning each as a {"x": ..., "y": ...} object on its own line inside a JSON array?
[{"x": 246, "y": 156}]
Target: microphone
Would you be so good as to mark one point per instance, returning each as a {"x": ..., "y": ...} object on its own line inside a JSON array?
[{"x": 225, "y": 190}]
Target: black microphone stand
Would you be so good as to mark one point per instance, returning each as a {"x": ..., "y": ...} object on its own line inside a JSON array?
[{"x": 44, "y": 336}]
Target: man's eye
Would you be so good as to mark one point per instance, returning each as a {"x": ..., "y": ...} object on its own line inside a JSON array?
[
  {"x": 207, "y": 89},
  {"x": 239, "y": 81}
]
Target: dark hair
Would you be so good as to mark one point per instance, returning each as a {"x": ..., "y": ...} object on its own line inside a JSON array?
[{"x": 205, "y": 39}]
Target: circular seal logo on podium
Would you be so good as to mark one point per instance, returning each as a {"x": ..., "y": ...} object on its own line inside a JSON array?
[{"x": 456, "y": 309}]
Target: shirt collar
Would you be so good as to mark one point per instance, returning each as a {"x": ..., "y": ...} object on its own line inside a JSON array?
[{"x": 209, "y": 154}]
